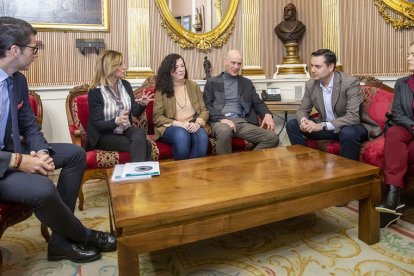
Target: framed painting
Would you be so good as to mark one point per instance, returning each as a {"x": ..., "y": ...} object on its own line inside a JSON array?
[
  {"x": 186, "y": 22},
  {"x": 60, "y": 15}
]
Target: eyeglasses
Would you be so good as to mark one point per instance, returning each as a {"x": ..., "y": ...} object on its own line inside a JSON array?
[{"x": 35, "y": 49}]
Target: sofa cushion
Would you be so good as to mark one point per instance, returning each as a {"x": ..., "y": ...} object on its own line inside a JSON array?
[
  {"x": 330, "y": 146},
  {"x": 105, "y": 159},
  {"x": 372, "y": 152},
  {"x": 377, "y": 102}
]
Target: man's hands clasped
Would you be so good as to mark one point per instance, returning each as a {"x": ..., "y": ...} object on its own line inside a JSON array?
[
  {"x": 309, "y": 126},
  {"x": 37, "y": 163}
]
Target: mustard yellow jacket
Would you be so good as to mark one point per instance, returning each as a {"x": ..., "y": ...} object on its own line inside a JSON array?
[{"x": 165, "y": 108}]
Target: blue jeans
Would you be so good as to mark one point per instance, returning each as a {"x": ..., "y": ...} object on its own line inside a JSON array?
[
  {"x": 186, "y": 145},
  {"x": 350, "y": 137}
]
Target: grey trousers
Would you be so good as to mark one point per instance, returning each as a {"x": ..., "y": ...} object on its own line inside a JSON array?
[{"x": 261, "y": 138}]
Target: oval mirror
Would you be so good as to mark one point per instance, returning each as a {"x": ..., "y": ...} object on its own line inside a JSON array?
[
  {"x": 198, "y": 23},
  {"x": 403, "y": 8}
]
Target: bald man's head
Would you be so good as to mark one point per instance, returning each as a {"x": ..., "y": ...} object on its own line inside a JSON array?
[{"x": 233, "y": 62}]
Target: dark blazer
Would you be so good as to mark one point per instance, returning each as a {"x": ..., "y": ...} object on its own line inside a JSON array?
[
  {"x": 251, "y": 103},
  {"x": 96, "y": 122},
  {"x": 346, "y": 104},
  {"x": 402, "y": 106},
  {"x": 28, "y": 128}
]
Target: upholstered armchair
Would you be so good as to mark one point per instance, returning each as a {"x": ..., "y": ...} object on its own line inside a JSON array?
[
  {"x": 98, "y": 161},
  {"x": 10, "y": 213}
]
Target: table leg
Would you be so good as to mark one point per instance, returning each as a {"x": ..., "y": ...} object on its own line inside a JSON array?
[
  {"x": 128, "y": 260},
  {"x": 369, "y": 219}
]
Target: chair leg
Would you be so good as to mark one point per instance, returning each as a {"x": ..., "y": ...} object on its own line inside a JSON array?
[{"x": 45, "y": 232}]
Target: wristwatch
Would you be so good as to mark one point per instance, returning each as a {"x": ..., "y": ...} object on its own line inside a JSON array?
[{"x": 323, "y": 124}]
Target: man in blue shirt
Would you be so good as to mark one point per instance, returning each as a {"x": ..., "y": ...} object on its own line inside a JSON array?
[
  {"x": 337, "y": 99},
  {"x": 24, "y": 168}
]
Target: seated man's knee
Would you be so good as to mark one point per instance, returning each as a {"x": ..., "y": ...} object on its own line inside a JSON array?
[
  {"x": 349, "y": 134},
  {"x": 222, "y": 131},
  {"x": 78, "y": 154},
  {"x": 274, "y": 138},
  {"x": 45, "y": 191},
  {"x": 292, "y": 125}
]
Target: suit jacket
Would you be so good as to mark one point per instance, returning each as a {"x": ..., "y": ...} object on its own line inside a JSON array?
[
  {"x": 165, "y": 108},
  {"x": 251, "y": 103},
  {"x": 28, "y": 128},
  {"x": 402, "y": 106},
  {"x": 96, "y": 122},
  {"x": 346, "y": 104}
]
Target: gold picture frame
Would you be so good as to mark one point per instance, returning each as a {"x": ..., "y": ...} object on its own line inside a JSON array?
[
  {"x": 60, "y": 15},
  {"x": 203, "y": 41},
  {"x": 400, "y": 13}
]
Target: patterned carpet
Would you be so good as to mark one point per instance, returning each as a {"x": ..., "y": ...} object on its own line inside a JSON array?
[{"x": 321, "y": 243}]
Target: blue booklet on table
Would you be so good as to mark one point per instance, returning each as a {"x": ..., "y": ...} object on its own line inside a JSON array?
[
  {"x": 117, "y": 174},
  {"x": 141, "y": 168}
]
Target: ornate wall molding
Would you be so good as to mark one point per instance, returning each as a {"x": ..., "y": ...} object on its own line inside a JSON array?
[{"x": 400, "y": 13}]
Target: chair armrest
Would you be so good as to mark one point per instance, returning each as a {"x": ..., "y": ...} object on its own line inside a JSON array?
[{"x": 75, "y": 135}]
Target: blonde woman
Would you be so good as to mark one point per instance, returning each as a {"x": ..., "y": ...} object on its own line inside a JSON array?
[{"x": 111, "y": 103}]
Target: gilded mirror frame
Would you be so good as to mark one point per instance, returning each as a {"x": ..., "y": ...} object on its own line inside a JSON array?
[
  {"x": 402, "y": 8},
  {"x": 214, "y": 38}
]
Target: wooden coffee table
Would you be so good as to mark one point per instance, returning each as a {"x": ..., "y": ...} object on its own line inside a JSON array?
[{"x": 202, "y": 198}]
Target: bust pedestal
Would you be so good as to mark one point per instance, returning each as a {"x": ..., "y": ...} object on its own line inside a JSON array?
[
  {"x": 291, "y": 71},
  {"x": 292, "y": 66}
]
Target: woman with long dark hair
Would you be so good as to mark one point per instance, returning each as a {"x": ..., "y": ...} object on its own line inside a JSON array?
[{"x": 179, "y": 110}]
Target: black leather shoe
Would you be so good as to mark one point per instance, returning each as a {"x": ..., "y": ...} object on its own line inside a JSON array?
[
  {"x": 77, "y": 253},
  {"x": 104, "y": 241},
  {"x": 387, "y": 219},
  {"x": 391, "y": 202}
]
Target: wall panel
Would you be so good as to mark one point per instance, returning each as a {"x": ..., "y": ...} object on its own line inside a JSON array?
[
  {"x": 369, "y": 45},
  {"x": 273, "y": 49}
]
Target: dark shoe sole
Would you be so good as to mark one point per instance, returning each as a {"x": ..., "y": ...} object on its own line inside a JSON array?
[
  {"x": 59, "y": 258},
  {"x": 390, "y": 211},
  {"x": 393, "y": 218}
]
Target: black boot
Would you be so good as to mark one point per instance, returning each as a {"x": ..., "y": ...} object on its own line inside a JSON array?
[
  {"x": 391, "y": 202},
  {"x": 387, "y": 219}
]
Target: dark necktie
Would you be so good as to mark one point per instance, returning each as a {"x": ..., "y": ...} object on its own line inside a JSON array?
[{"x": 14, "y": 118}]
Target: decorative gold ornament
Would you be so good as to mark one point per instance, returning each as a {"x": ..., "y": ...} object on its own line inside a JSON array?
[
  {"x": 203, "y": 41},
  {"x": 401, "y": 15}
]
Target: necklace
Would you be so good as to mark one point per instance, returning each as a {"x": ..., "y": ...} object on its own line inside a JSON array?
[{"x": 185, "y": 99}]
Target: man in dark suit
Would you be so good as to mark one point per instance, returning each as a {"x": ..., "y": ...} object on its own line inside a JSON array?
[
  {"x": 234, "y": 105},
  {"x": 24, "y": 167},
  {"x": 337, "y": 98}
]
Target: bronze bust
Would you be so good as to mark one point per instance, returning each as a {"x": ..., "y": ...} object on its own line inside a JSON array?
[{"x": 290, "y": 30}]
